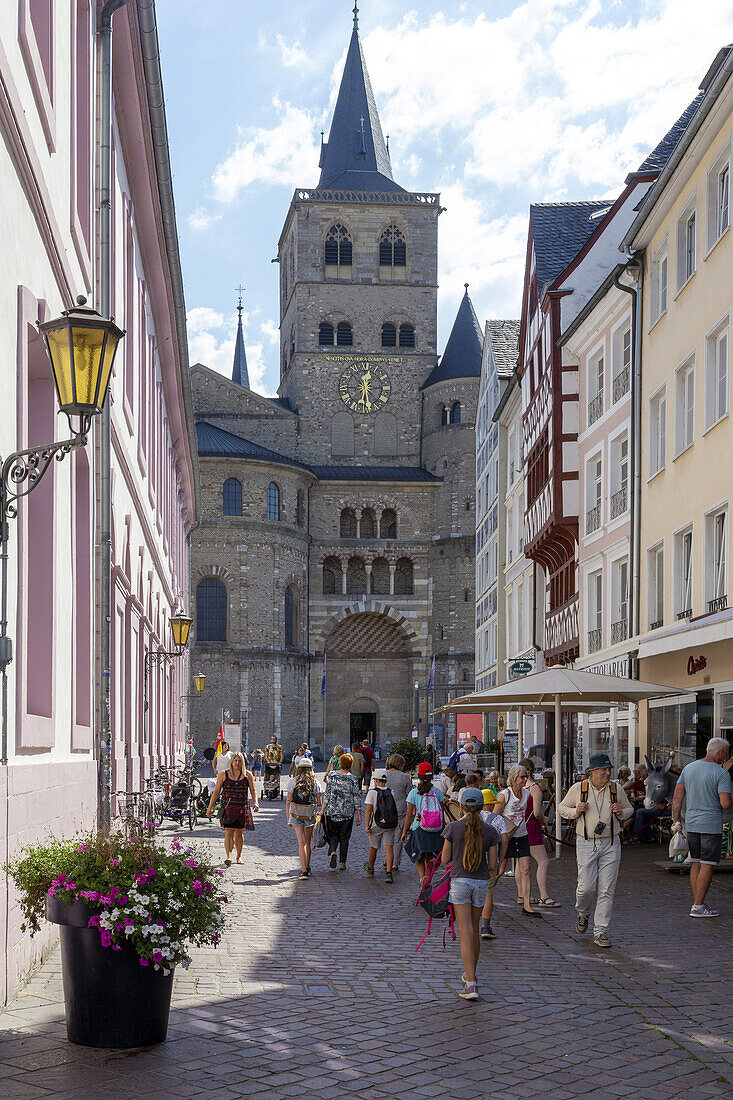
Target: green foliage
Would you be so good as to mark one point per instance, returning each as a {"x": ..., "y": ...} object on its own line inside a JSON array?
[
  {"x": 411, "y": 749},
  {"x": 138, "y": 892}
]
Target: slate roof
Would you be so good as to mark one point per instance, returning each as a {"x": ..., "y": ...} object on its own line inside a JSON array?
[
  {"x": 356, "y": 158},
  {"x": 373, "y": 473},
  {"x": 559, "y": 230},
  {"x": 462, "y": 354},
  {"x": 658, "y": 157},
  {"x": 215, "y": 442},
  {"x": 504, "y": 336},
  {"x": 240, "y": 373}
]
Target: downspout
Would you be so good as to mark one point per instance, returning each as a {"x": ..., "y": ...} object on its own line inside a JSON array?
[
  {"x": 635, "y": 452},
  {"x": 104, "y": 734}
]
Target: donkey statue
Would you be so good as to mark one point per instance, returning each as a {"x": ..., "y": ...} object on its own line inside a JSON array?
[{"x": 660, "y": 783}]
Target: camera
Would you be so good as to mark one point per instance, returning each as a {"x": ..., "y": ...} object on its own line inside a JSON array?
[{"x": 600, "y": 828}]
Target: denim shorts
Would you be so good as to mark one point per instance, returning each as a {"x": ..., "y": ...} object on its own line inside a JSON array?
[{"x": 468, "y": 891}]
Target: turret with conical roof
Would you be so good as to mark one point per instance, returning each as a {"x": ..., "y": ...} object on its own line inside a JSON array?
[
  {"x": 462, "y": 355},
  {"x": 356, "y": 156},
  {"x": 240, "y": 373}
]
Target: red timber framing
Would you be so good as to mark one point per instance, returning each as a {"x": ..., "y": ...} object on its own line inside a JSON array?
[{"x": 550, "y": 520}]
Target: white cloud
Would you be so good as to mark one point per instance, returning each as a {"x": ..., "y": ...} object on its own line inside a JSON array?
[
  {"x": 270, "y": 332},
  {"x": 202, "y": 219},
  {"x": 294, "y": 57},
  {"x": 284, "y": 154},
  {"x": 211, "y": 340}
]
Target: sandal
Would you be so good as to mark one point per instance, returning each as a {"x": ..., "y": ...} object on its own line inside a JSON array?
[{"x": 548, "y": 903}]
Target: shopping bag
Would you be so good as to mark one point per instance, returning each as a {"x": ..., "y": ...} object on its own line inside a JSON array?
[
  {"x": 320, "y": 837},
  {"x": 679, "y": 849}
]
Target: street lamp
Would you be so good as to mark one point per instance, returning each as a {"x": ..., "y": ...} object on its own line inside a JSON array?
[
  {"x": 81, "y": 345},
  {"x": 180, "y": 630},
  {"x": 198, "y": 683}
]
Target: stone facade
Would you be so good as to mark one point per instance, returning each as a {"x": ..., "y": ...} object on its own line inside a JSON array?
[{"x": 371, "y": 548}]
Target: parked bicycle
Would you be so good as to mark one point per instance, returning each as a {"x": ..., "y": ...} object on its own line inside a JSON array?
[{"x": 135, "y": 812}]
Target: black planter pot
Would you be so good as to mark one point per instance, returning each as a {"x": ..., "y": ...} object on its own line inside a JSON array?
[{"x": 110, "y": 1000}]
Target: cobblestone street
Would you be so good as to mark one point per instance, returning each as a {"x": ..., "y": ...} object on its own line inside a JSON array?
[{"x": 316, "y": 990}]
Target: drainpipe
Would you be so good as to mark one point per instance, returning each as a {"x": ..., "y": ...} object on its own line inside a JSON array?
[
  {"x": 635, "y": 449},
  {"x": 103, "y": 748}
]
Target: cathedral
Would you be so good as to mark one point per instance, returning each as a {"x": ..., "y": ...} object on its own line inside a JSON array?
[{"x": 333, "y": 567}]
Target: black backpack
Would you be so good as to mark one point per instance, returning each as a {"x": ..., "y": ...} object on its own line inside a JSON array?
[
  {"x": 302, "y": 794},
  {"x": 385, "y": 813}
]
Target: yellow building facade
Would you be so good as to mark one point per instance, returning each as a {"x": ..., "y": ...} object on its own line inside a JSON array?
[{"x": 683, "y": 232}]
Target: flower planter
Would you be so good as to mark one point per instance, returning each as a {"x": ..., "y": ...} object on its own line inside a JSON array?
[{"x": 110, "y": 999}]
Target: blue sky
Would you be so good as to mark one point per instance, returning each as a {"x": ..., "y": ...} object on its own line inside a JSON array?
[{"x": 494, "y": 105}]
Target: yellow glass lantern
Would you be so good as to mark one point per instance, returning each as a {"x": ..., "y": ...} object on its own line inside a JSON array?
[
  {"x": 180, "y": 629},
  {"x": 81, "y": 346},
  {"x": 198, "y": 683}
]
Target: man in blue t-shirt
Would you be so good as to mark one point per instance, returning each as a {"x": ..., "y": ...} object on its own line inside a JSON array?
[{"x": 706, "y": 787}]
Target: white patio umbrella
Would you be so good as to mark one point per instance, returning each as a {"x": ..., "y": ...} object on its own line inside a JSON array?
[{"x": 557, "y": 689}]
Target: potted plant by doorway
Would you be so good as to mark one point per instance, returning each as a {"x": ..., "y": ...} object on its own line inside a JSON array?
[{"x": 128, "y": 908}]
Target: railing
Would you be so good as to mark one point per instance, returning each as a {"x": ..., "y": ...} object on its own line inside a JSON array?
[
  {"x": 620, "y": 384},
  {"x": 656, "y": 624},
  {"x": 401, "y": 198},
  {"x": 686, "y": 614},
  {"x": 593, "y": 519},
  {"x": 595, "y": 409},
  {"x": 720, "y": 603},
  {"x": 594, "y": 640},
  {"x": 619, "y": 631},
  {"x": 619, "y": 502}
]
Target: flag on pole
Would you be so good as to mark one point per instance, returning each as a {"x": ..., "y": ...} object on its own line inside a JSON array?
[
  {"x": 323, "y": 677},
  {"x": 431, "y": 677},
  {"x": 219, "y": 740}
]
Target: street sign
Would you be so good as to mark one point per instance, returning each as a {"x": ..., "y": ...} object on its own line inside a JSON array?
[{"x": 520, "y": 668}]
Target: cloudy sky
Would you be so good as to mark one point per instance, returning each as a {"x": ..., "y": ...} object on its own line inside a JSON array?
[{"x": 493, "y": 105}]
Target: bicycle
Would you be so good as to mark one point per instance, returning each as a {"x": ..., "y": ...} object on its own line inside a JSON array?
[{"x": 135, "y": 811}]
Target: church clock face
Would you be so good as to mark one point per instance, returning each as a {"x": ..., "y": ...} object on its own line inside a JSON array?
[{"x": 365, "y": 386}]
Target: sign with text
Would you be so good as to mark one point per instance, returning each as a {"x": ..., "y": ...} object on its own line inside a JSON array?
[{"x": 521, "y": 667}]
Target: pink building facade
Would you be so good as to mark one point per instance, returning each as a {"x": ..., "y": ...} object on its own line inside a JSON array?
[{"x": 49, "y": 170}]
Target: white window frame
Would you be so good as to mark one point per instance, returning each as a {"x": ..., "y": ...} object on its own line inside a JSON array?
[
  {"x": 716, "y": 553},
  {"x": 619, "y": 590},
  {"x": 655, "y": 583},
  {"x": 717, "y": 373},
  {"x": 620, "y": 352},
  {"x": 595, "y": 601},
  {"x": 657, "y": 431},
  {"x": 686, "y": 256},
  {"x": 659, "y": 298},
  {"x": 684, "y": 384},
  {"x": 718, "y": 196},
  {"x": 684, "y": 569}
]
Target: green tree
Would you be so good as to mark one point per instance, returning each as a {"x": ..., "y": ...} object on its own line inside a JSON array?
[{"x": 411, "y": 749}]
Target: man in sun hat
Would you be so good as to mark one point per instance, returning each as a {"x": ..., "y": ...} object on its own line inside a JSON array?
[{"x": 599, "y": 805}]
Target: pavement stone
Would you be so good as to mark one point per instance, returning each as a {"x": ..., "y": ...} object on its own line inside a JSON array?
[{"x": 317, "y": 988}]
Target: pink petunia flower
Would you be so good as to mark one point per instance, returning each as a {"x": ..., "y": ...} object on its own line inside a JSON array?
[{"x": 144, "y": 962}]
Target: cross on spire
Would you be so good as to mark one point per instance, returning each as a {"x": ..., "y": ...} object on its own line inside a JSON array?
[
  {"x": 355, "y": 10},
  {"x": 240, "y": 292}
]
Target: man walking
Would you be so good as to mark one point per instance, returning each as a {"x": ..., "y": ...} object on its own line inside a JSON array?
[
  {"x": 599, "y": 805},
  {"x": 367, "y": 752},
  {"x": 706, "y": 787}
]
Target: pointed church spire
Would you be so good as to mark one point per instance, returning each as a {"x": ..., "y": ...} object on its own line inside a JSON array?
[
  {"x": 240, "y": 373},
  {"x": 462, "y": 355},
  {"x": 355, "y": 157}
]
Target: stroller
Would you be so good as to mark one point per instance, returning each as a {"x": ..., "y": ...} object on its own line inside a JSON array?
[
  {"x": 180, "y": 805},
  {"x": 271, "y": 784}
]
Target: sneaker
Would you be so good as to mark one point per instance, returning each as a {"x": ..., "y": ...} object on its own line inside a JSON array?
[
  {"x": 342, "y": 866},
  {"x": 703, "y": 910},
  {"x": 600, "y": 939},
  {"x": 388, "y": 877},
  {"x": 469, "y": 991},
  {"x": 303, "y": 874},
  {"x": 332, "y": 861},
  {"x": 369, "y": 870},
  {"x": 308, "y": 872},
  {"x": 486, "y": 931},
  {"x": 581, "y": 925}
]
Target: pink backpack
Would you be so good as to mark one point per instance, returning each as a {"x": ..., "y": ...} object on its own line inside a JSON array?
[
  {"x": 433, "y": 898},
  {"x": 431, "y": 815}
]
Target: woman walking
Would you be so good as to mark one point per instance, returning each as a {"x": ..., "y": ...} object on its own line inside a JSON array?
[
  {"x": 304, "y": 802},
  {"x": 512, "y": 804},
  {"x": 235, "y": 786},
  {"x": 470, "y": 847},
  {"x": 342, "y": 805},
  {"x": 334, "y": 762},
  {"x": 424, "y": 820},
  {"x": 400, "y": 784},
  {"x": 535, "y": 819}
]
